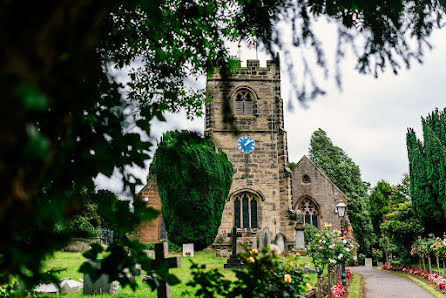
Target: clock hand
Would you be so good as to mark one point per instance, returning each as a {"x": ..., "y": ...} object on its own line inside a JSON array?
[{"x": 250, "y": 141}]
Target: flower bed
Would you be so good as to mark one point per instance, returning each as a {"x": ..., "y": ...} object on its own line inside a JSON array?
[
  {"x": 437, "y": 280},
  {"x": 338, "y": 290}
]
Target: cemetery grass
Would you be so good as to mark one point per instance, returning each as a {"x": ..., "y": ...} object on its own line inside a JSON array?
[{"x": 72, "y": 262}]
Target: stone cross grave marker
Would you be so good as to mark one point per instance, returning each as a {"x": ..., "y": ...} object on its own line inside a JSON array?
[
  {"x": 233, "y": 260},
  {"x": 161, "y": 256}
]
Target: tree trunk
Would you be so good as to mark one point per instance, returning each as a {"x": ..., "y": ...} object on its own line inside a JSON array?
[
  {"x": 429, "y": 262},
  {"x": 424, "y": 264},
  {"x": 387, "y": 259},
  {"x": 419, "y": 262},
  {"x": 438, "y": 264}
]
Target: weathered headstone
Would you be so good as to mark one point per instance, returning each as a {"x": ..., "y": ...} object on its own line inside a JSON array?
[
  {"x": 265, "y": 236},
  {"x": 47, "y": 289},
  {"x": 309, "y": 270},
  {"x": 188, "y": 250},
  {"x": 101, "y": 286},
  {"x": 233, "y": 261},
  {"x": 300, "y": 236},
  {"x": 379, "y": 264},
  {"x": 69, "y": 286},
  {"x": 368, "y": 262},
  {"x": 161, "y": 256},
  {"x": 150, "y": 253},
  {"x": 282, "y": 243}
]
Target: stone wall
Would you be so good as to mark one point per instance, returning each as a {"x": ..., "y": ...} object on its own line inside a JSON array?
[
  {"x": 150, "y": 231},
  {"x": 265, "y": 171},
  {"x": 324, "y": 192}
]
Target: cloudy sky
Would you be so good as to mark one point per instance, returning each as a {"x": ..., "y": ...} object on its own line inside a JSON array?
[{"x": 368, "y": 118}]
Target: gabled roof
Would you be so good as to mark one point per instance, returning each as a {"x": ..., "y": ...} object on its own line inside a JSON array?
[{"x": 320, "y": 171}]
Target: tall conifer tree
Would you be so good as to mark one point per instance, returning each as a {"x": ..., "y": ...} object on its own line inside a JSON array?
[
  {"x": 340, "y": 168},
  {"x": 427, "y": 165}
]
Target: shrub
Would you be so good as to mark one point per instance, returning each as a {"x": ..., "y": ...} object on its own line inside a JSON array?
[
  {"x": 193, "y": 184},
  {"x": 309, "y": 233},
  {"x": 263, "y": 274}
]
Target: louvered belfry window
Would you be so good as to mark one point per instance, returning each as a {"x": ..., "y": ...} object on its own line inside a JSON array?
[{"x": 244, "y": 103}]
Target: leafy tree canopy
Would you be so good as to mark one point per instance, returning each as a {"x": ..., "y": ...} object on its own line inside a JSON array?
[
  {"x": 402, "y": 227},
  {"x": 379, "y": 204},
  {"x": 427, "y": 166},
  {"x": 336, "y": 164},
  {"x": 69, "y": 119},
  {"x": 193, "y": 183}
]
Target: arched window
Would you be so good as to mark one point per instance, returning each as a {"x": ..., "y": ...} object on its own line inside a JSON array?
[
  {"x": 306, "y": 179},
  {"x": 244, "y": 103},
  {"x": 245, "y": 211},
  {"x": 310, "y": 212}
]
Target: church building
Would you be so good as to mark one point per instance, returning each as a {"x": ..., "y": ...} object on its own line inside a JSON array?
[{"x": 246, "y": 120}]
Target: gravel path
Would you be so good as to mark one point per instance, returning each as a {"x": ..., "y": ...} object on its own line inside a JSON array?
[{"x": 379, "y": 284}]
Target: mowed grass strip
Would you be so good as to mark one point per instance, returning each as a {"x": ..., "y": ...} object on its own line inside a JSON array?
[
  {"x": 355, "y": 289},
  {"x": 72, "y": 262}
]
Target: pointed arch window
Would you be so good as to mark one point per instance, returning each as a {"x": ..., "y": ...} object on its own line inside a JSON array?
[
  {"x": 310, "y": 212},
  {"x": 245, "y": 211},
  {"x": 244, "y": 103},
  {"x": 306, "y": 179}
]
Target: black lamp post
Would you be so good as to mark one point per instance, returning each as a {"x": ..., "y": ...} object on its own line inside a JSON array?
[{"x": 340, "y": 208}]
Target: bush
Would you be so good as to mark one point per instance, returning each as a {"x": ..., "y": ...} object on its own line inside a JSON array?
[
  {"x": 263, "y": 274},
  {"x": 193, "y": 184},
  {"x": 309, "y": 233}
]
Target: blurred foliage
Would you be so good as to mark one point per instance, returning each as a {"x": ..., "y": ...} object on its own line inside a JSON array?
[
  {"x": 427, "y": 166},
  {"x": 193, "y": 183},
  {"x": 93, "y": 215},
  {"x": 346, "y": 175},
  {"x": 69, "y": 119},
  {"x": 263, "y": 274}
]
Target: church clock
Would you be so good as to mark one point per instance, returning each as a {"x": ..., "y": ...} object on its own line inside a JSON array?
[{"x": 246, "y": 144}]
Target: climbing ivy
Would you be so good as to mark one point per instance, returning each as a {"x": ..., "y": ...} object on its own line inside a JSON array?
[{"x": 193, "y": 184}]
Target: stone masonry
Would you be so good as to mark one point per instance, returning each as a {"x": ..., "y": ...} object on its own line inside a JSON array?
[
  {"x": 263, "y": 174},
  {"x": 150, "y": 231},
  {"x": 265, "y": 171},
  {"x": 320, "y": 189}
]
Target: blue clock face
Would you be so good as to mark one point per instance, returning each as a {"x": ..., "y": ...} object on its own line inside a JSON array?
[{"x": 246, "y": 144}]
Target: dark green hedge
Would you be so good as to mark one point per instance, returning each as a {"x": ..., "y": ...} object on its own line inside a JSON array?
[{"x": 193, "y": 183}]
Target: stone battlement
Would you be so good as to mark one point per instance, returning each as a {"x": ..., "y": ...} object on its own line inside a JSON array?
[{"x": 252, "y": 71}]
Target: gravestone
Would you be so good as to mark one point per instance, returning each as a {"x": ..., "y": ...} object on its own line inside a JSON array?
[
  {"x": 368, "y": 262},
  {"x": 69, "y": 286},
  {"x": 161, "y": 257},
  {"x": 150, "y": 253},
  {"x": 282, "y": 243},
  {"x": 233, "y": 261},
  {"x": 265, "y": 236},
  {"x": 379, "y": 264},
  {"x": 47, "y": 289},
  {"x": 300, "y": 238},
  {"x": 188, "y": 250},
  {"x": 101, "y": 286}
]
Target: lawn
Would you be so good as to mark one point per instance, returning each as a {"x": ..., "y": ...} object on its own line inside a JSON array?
[{"x": 72, "y": 262}]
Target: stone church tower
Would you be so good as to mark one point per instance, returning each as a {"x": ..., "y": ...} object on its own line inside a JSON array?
[{"x": 245, "y": 119}]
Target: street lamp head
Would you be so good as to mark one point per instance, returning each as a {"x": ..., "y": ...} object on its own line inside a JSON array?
[{"x": 341, "y": 209}]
